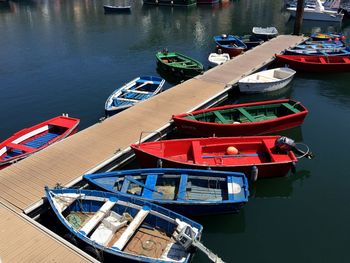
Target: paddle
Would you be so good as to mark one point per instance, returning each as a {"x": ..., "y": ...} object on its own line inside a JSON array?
[
  {"x": 141, "y": 184},
  {"x": 234, "y": 155}
]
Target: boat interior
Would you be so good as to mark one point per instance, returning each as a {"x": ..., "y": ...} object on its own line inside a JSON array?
[
  {"x": 125, "y": 228},
  {"x": 248, "y": 114},
  {"x": 176, "y": 60},
  {"x": 178, "y": 187},
  {"x": 31, "y": 141}
]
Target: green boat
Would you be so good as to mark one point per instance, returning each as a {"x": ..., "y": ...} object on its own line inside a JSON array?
[{"x": 178, "y": 64}]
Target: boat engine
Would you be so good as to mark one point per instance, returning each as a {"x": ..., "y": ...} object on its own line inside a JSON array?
[{"x": 284, "y": 144}]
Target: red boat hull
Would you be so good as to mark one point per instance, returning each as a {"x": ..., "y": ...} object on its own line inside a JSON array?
[
  {"x": 33, "y": 139},
  {"x": 204, "y": 153},
  {"x": 201, "y": 128},
  {"x": 324, "y": 64},
  {"x": 231, "y": 51}
]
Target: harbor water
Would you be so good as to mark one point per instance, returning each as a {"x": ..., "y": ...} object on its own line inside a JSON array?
[{"x": 68, "y": 56}]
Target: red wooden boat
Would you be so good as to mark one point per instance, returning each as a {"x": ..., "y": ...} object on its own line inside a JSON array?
[
  {"x": 33, "y": 139},
  {"x": 257, "y": 155},
  {"x": 242, "y": 119},
  {"x": 315, "y": 63}
]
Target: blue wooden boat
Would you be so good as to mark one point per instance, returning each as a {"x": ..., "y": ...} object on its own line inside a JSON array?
[
  {"x": 137, "y": 90},
  {"x": 319, "y": 52},
  {"x": 129, "y": 228},
  {"x": 230, "y": 44},
  {"x": 186, "y": 191},
  {"x": 320, "y": 45}
]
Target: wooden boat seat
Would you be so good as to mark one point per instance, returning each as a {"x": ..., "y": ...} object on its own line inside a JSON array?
[
  {"x": 41, "y": 140},
  {"x": 196, "y": 151},
  {"x": 323, "y": 61},
  {"x": 220, "y": 117},
  {"x": 125, "y": 186},
  {"x": 181, "y": 194},
  {"x": 246, "y": 114},
  {"x": 21, "y": 147},
  {"x": 62, "y": 202},
  {"x": 130, "y": 100},
  {"x": 132, "y": 227},
  {"x": 290, "y": 107},
  {"x": 105, "y": 231},
  {"x": 138, "y": 91},
  {"x": 151, "y": 182},
  {"x": 98, "y": 216}
]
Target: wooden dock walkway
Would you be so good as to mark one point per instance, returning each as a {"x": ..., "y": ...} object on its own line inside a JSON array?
[{"x": 22, "y": 184}]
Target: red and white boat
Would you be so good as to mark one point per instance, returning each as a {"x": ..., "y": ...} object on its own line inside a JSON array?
[
  {"x": 256, "y": 156},
  {"x": 315, "y": 63},
  {"x": 33, "y": 139},
  {"x": 255, "y": 118}
]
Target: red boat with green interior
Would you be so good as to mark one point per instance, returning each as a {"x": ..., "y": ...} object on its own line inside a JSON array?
[{"x": 255, "y": 118}]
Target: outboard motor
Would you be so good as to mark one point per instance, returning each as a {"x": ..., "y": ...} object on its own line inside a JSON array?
[{"x": 285, "y": 144}]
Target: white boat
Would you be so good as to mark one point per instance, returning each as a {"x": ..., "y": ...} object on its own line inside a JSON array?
[
  {"x": 319, "y": 13},
  {"x": 137, "y": 90},
  {"x": 265, "y": 32},
  {"x": 267, "y": 80},
  {"x": 218, "y": 59}
]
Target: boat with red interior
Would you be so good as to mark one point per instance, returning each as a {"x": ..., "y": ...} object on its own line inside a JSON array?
[
  {"x": 30, "y": 140},
  {"x": 255, "y": 156},
  {"x": 324, "y": 64}
]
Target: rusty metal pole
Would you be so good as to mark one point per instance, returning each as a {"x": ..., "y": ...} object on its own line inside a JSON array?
[{"x": 298, "y": 17}]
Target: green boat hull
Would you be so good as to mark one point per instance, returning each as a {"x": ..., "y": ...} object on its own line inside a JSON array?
[{"x": 178, "y": 65}]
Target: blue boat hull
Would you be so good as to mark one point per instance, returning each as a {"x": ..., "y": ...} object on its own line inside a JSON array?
[{"x": 194, "y": 202}]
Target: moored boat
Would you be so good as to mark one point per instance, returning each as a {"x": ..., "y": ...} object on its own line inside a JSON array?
[
  {"x": 265, "y": 33},
  {"x": 218, "y": 58},
  {"x": 266, "y": 80},
  {"x": 338, "y": 51},
  {"x": 230, "y": 44},
  {"x": 324, "y": 64},
  {"x": 327, "y": 36},
  {"x": 255, "y": 118},
  {"x": 186, "y": 191},
  {"x": 33, "y": 139},
  {"x": 137, "y": 90},
  {"x": 255, "y": 156},
  {"x": 117, "y": 8},
  {"x": 178, "y": 64},
  {"x": 171, "y": 2},
  {"x": 251, "y": 41},
  {"x": 124, "y": 227}
]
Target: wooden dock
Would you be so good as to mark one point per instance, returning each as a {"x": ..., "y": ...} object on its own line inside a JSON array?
[{"x": 22, "y": 184}]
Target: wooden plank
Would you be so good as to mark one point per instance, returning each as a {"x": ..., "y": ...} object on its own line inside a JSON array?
[{"x": 132, "y": 227}]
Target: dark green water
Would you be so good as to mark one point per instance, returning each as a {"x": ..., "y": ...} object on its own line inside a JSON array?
[{"x": 68, "y": 56}]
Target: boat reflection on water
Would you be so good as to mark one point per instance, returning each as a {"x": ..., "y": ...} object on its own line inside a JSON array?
[{"x": 281, "y": 187}]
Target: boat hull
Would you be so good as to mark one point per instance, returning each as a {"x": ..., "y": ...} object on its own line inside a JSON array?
[
  {"x": 312, "y": 64},
  {"x": 116, "y": 9},
  {"x": 310, "y": 14},
  {"x": 170, "y": 2},
  {"x": 265, "y": 82},
  {"x": 31, "y": 140},
  {"x": 197, "y": 199},
  {"x": 88, "y": 202},
  {"x": 201, "y": 128},
  {"x": 152, "y": 155}
]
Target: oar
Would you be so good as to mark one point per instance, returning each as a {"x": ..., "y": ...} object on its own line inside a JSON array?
[
  {"x": 233, "y": 155},
  {"x": 141, "y": 184}
]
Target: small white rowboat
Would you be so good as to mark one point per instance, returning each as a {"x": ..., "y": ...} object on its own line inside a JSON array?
[
  {"x": 218, "y": 59},
  {"x": 267, "y": 80}
]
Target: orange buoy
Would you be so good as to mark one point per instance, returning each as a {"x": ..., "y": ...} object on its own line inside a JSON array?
[{"x": 231, "y": 150}]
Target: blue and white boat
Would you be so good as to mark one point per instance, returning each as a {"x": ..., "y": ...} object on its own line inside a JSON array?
[
  {"x": 344, "y": 51},
  {"x": 186, "y": 191},
  {"x": 129, "y": 228},
  {"x": 137, "y": 90}
]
